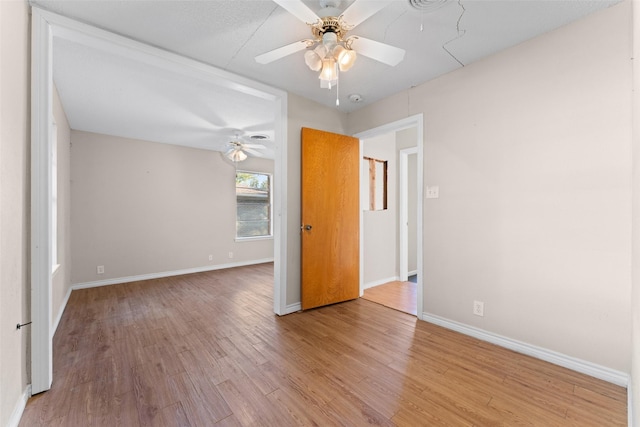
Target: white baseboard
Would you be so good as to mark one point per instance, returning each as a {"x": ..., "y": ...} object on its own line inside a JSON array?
[
  {"x": 292, "y": 308},
  {"x": 16, "y": 415},
  {"x": 578, "y": 365},
  {"x": 380, "y": 282},
  {"x": 160, "y": 275}
]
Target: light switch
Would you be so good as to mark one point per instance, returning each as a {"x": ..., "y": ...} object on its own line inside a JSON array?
[{"x": 433, "y": 192}]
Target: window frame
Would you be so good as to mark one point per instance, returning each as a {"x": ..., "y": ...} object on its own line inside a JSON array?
[
  {"x": 378, "y": 183},
  {"x": 270, "y": 204}
]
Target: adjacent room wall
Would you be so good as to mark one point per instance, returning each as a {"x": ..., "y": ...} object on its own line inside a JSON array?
[
  {"x": 380, "y": 228},
  {"x": 14, "y": 209},
  {"x": 531, "y": 149},
  {"x": 407, "y": 139},
  {"x": 61, "y": 286},
  {"x": 144, "y": 208}
]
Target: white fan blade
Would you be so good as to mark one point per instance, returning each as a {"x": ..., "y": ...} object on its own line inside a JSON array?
[
  {"x": 299, "y": 10},
  {"x": 258, "y": 146},
  {"x": 361, "y": 10},
  {"x": 253, "y": 152},
  {"x": 281, "y": 52},
  {"x": 381, "y": 52}
]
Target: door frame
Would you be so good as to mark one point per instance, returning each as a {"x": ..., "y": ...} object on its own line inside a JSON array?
[
  {"x": 415, "y": 121},
  {"x": 403, "y": 229},
  {"x": 46, "y": 25}
]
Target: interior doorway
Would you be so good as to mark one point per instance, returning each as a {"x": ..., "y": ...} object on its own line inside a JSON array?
[
  {"x": 47, "y": 27},
  {"x": 391, "y": 238}
]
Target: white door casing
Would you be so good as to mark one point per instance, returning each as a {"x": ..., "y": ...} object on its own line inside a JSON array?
[{"x": 404, "y": 211}]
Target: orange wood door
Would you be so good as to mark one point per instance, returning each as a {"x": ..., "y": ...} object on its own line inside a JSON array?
[{"x": 330, "y": 217}]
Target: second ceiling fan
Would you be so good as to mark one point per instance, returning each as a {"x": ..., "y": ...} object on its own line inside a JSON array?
[
  {"x": 330, "y": 50},
  {"x": 238, "y": 151}
]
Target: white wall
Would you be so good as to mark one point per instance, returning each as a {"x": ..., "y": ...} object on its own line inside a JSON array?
[
  {"x": 14, "y": 208},
  {"x": 634, "y": 408},
  {"x": 531, "y": 150},
  {"x": 380, "y": 227},
  {"x": 141, "y": 208},
  {"x": 61, "y": 281}
]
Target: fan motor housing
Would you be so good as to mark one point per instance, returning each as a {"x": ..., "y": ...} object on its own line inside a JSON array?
[{"x": 330, "y": 24}]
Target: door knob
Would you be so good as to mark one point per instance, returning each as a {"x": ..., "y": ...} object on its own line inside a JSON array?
[{"x": 307, "y": 227}]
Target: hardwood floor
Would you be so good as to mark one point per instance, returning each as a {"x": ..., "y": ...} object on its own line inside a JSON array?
[
  {"x": 397, "y": 295},
  {"x": 206, "y": 350}
]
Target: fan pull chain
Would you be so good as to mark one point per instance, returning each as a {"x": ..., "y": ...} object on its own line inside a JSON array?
[{"x": 338, "y": 87}]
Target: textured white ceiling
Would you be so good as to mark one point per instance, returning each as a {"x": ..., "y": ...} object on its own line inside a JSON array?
[
  {"x": 125, "y": 95},
  {"x": 102, "y": 91}
]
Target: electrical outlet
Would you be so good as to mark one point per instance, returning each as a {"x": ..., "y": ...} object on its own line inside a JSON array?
[
  {"x": 432, "y": 192},
  {"x": 478, "y": 308},
  {"x": 230, "y": 254},
  {"x": 100, "y": 269},
  {"x": 210, "y": 257}
]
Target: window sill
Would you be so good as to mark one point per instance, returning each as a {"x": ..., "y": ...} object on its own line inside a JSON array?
[{"x": 253, "y": 239}]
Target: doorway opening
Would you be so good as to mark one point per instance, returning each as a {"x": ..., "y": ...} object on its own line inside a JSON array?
[
  {"x": 391, "y": 238},
  {"x": 47, "y": 28}
]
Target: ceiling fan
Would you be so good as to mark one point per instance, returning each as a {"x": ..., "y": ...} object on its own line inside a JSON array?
[
  {"x": 238, "y": 151},
  {"x": 330, "y": 50}
]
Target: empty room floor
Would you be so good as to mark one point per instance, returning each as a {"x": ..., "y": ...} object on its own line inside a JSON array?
[
  {"x": 206, "y": 350},
  {"x": 397, "y": 295}
]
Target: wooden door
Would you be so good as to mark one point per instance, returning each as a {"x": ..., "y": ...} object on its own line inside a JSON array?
[{"x": 330, "y": 218}]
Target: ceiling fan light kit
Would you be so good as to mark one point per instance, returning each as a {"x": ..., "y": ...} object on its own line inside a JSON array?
[
  {"x": 236, "y": 156},
  {"x": 331, "y": 51},
  {"x": 239, "y": 151},
  {"x": 345, "y": 57}
]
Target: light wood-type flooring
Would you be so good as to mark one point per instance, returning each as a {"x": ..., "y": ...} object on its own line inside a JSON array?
[
  {"x": 206, "y": 350},
  {"x": 397, "y": 295}
]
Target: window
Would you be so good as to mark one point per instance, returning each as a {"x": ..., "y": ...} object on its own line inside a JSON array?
[
  {"x": 54, "y": 196},
  {"x": 253, "y": 205},
  {"x": 375, "y": 196}
]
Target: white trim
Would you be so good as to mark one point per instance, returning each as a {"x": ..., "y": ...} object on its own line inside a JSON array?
[
  {"x": 150, "y": 276},
  {"x": 380, "y": 282},
  {"x": 363, "y": 178},
  {"x": 280, "y": 209},
  {"x": 416, "y": 121},
  {"x": 575, "y": 364},
  {"x": 41, "y": 213},
  {"x": 293, "y": 308},
  {"x": 252, "y": 239},
  {"x": 402, "y": 124},
  {"x": 18, "y": 410},
  {"x": 56, "y": 322},
  {"x": 403, "y": 222}
]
